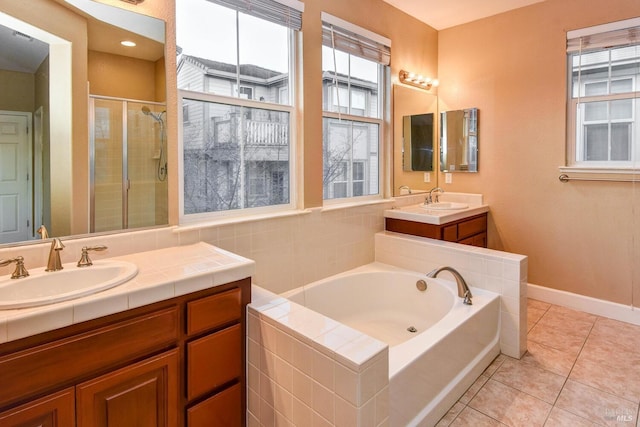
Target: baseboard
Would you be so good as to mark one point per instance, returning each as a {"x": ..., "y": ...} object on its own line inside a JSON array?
[{"x": 612, "y": 310}]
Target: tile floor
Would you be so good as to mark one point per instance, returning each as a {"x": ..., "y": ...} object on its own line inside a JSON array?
[{"x": 579, "y": 370}]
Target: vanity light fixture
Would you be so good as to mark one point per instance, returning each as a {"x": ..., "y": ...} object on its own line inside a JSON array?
[{"x": 413, "y": 79}]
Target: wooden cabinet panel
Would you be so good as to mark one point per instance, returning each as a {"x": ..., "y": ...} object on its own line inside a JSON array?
[
  {"x": 461, "y": 231},
  {"x": 471, "y": 227},
  {"x": 213, "y": 361},
  {"x": 222, "y": 410},
  {"x": 210, "y": 312},
  {"x": 144, "y": 394},
  {"x": 42, "y": 367},
  {"x": 56, "y": 410}
]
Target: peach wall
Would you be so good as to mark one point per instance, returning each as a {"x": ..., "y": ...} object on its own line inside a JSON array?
[
  {"x": 580, "y": 237},
  {"x": 18, "y": 91}
]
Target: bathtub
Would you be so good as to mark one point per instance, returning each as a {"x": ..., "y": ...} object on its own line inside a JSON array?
[{"x": 437, "y": 345}]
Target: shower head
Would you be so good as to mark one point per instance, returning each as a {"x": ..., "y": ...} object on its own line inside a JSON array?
[{"x": 147, "y": 112}]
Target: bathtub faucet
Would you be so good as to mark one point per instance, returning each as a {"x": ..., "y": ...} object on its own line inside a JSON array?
[{"x": 463, "y": 289}]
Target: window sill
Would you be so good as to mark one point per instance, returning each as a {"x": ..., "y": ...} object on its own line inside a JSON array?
[
  {"x": 352, "y": 204},
  {"x": 220, "y": 221}
]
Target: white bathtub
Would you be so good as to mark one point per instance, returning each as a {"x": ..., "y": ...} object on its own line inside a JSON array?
[{"x": 431, "y": 368}]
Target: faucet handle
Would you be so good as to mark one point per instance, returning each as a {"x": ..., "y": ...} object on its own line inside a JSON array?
[
  {"x": 20, "y": 270},
  {"x": 85, "y": 261}
]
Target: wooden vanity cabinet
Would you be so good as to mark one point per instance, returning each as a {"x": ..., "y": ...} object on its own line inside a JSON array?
[
  {"x": 468, "y": 231},
  {"x": 173, "y": 363}
]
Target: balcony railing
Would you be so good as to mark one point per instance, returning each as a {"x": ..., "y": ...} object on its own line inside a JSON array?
[{"x": 267, "y": 133}]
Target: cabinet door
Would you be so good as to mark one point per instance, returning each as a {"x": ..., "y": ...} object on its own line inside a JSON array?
[
  {"x": 144, "y": 394},
  {"x": 56, "y": 410},
  {"x": 222, "y": 410}
]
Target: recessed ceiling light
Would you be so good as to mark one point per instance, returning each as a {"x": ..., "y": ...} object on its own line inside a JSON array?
[{"x": 127, "y": 43}]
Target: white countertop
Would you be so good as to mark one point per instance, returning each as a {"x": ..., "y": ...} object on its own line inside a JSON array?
[
  {"x": 162, "y": 274},
  {"x": 422, "y": 213}
]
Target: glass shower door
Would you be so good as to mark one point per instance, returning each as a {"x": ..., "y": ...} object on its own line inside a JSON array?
[{"x": 128, "y": 164}]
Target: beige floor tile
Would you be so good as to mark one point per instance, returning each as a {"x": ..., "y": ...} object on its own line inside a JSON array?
[
  {"x": 470, "y": 417},
  {"x": 533, "y": 316},
  {"x": 473, "y": 390},
  {"x": 451, "y": 415},
  {"x": 600, "y": 350},
  {"x": 622, "y": 381},
  {"x": 595, "y": 405},
  {"x": 510, "y": 406},
  {"x": 534, "y": 303},
  {"x": 493, "y": 367},
  {"x": 572, "y": 314},
  {"x": 530, "y": 379},
  {"x": 549, "y": 358},
  {"x": 543, "y": 334},
  {"x": 619, "y": 335},
  {"x": 567, "y": 323},
  {"x": 561, "y": 418}
]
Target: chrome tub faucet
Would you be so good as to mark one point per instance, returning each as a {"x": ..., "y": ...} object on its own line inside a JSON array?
[{"x": 463, "y": 289}]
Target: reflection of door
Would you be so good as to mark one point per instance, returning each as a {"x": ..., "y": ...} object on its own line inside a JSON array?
[{"x": 14, "y": 178}]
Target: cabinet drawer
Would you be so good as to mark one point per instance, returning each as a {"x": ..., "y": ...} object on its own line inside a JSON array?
[
  {"x": 222, "y": 410},
  {"x": 210, "y": 312},
  {"x": 471, "y": 227},
  {"x": 29, "y": 372},
  {"x": 213, "y": 361},
  {"x": 450, "y": 233}
]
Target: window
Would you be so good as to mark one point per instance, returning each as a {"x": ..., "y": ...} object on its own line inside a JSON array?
[
  {"x": 604, "y": 67},
  {"x": 235, "y": 84},
  {"x": 355, "y": 75}
]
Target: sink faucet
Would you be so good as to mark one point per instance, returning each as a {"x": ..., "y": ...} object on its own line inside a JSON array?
[
  {"x": 463, "y": 289},
  {"x": 42, "y": 231},
  {"x": 54, "y": 263},
  {"x": 405, "y": 187},
  {"x": 429, "y": 198},
  {"x": 20, "y": 271},
  {"x": 85, "y": 261}
]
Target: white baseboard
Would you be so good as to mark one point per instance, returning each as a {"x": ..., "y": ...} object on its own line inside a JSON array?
[{"x": 599, "y": 307}]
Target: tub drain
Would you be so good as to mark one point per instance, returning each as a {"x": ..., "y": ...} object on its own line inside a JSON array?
[{"x": 412, "y": 329}]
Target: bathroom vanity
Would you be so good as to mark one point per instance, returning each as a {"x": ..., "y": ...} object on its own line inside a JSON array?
[
  {"x": 177, "y": 361},
  {"x": 465, "y": 223}
]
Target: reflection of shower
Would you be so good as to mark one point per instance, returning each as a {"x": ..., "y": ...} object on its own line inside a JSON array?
[{"x": 162, "y": 158}]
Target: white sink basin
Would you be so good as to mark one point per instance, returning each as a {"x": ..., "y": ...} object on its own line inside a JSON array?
[
  {"x": 42, "y": 287},
  {"x": 450, "y": 206}
]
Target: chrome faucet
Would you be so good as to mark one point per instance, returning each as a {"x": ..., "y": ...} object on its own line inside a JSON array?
[
  {"x": 463, "y": 289},
  {"x": 54, "y": 263},
  {"x": 20, "y": 271},
  {"x": 429, "y": 199},
  {"x": 405, "y": 187}
]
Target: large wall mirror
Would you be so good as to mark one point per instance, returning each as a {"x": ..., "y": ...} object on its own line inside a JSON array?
[
  {"x": 459, "y": 140},
  {"x": 407, "y": 103},
  {"x": 82, "y": 119}
]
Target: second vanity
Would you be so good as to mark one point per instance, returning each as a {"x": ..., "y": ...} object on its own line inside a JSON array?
[
  {"x": 457, "y": 217},
  {"x": 166, "y": 348}
]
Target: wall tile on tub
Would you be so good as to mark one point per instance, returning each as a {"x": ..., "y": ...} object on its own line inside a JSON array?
[
  {"x": 323, "y": 402},
  {"x": 302, "y": 387},
  {"x": 346, "y": 413}
]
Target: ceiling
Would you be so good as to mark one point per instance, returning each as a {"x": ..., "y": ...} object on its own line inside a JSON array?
[{"x": 441, "y": 14}]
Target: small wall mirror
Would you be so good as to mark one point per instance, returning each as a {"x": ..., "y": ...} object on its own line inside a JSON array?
[
  {"x": 459, "y": 140},
  {"x": 417, "y": 137}
]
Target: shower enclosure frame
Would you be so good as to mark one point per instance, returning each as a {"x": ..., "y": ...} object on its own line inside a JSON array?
[{"x": 126, "y": 184}]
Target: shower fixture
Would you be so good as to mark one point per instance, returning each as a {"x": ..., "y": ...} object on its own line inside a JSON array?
[{"x": 162, "y": 160}]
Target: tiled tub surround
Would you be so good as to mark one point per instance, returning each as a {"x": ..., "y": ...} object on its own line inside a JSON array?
[
  {"x": 500, "y": 272},
  {"x": 430, "y": 368},
  {"x": 162, "y": 274},
  {"x": 305, "y": 369}
]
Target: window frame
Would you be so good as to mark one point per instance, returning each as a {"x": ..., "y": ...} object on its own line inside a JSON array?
[
  {"x": 383, "y": 108},
  {"x": 291, "y": 108},
  {"x": 575, "y": 117}
]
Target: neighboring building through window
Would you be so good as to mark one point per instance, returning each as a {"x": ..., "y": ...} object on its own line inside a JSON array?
[
  {"x": 354, "y": 70},
  {"x": 235, "y": 83},
  {"x": 604, "y": 68}
]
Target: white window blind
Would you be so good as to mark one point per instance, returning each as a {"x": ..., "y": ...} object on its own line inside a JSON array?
[
  {"x": 283, "y": 12},
  {"x": 355, "y": 40},
  {"x": 619, "y": 33}
]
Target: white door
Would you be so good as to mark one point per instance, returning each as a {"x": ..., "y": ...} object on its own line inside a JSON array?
[{"x": 14, "y": 178}]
